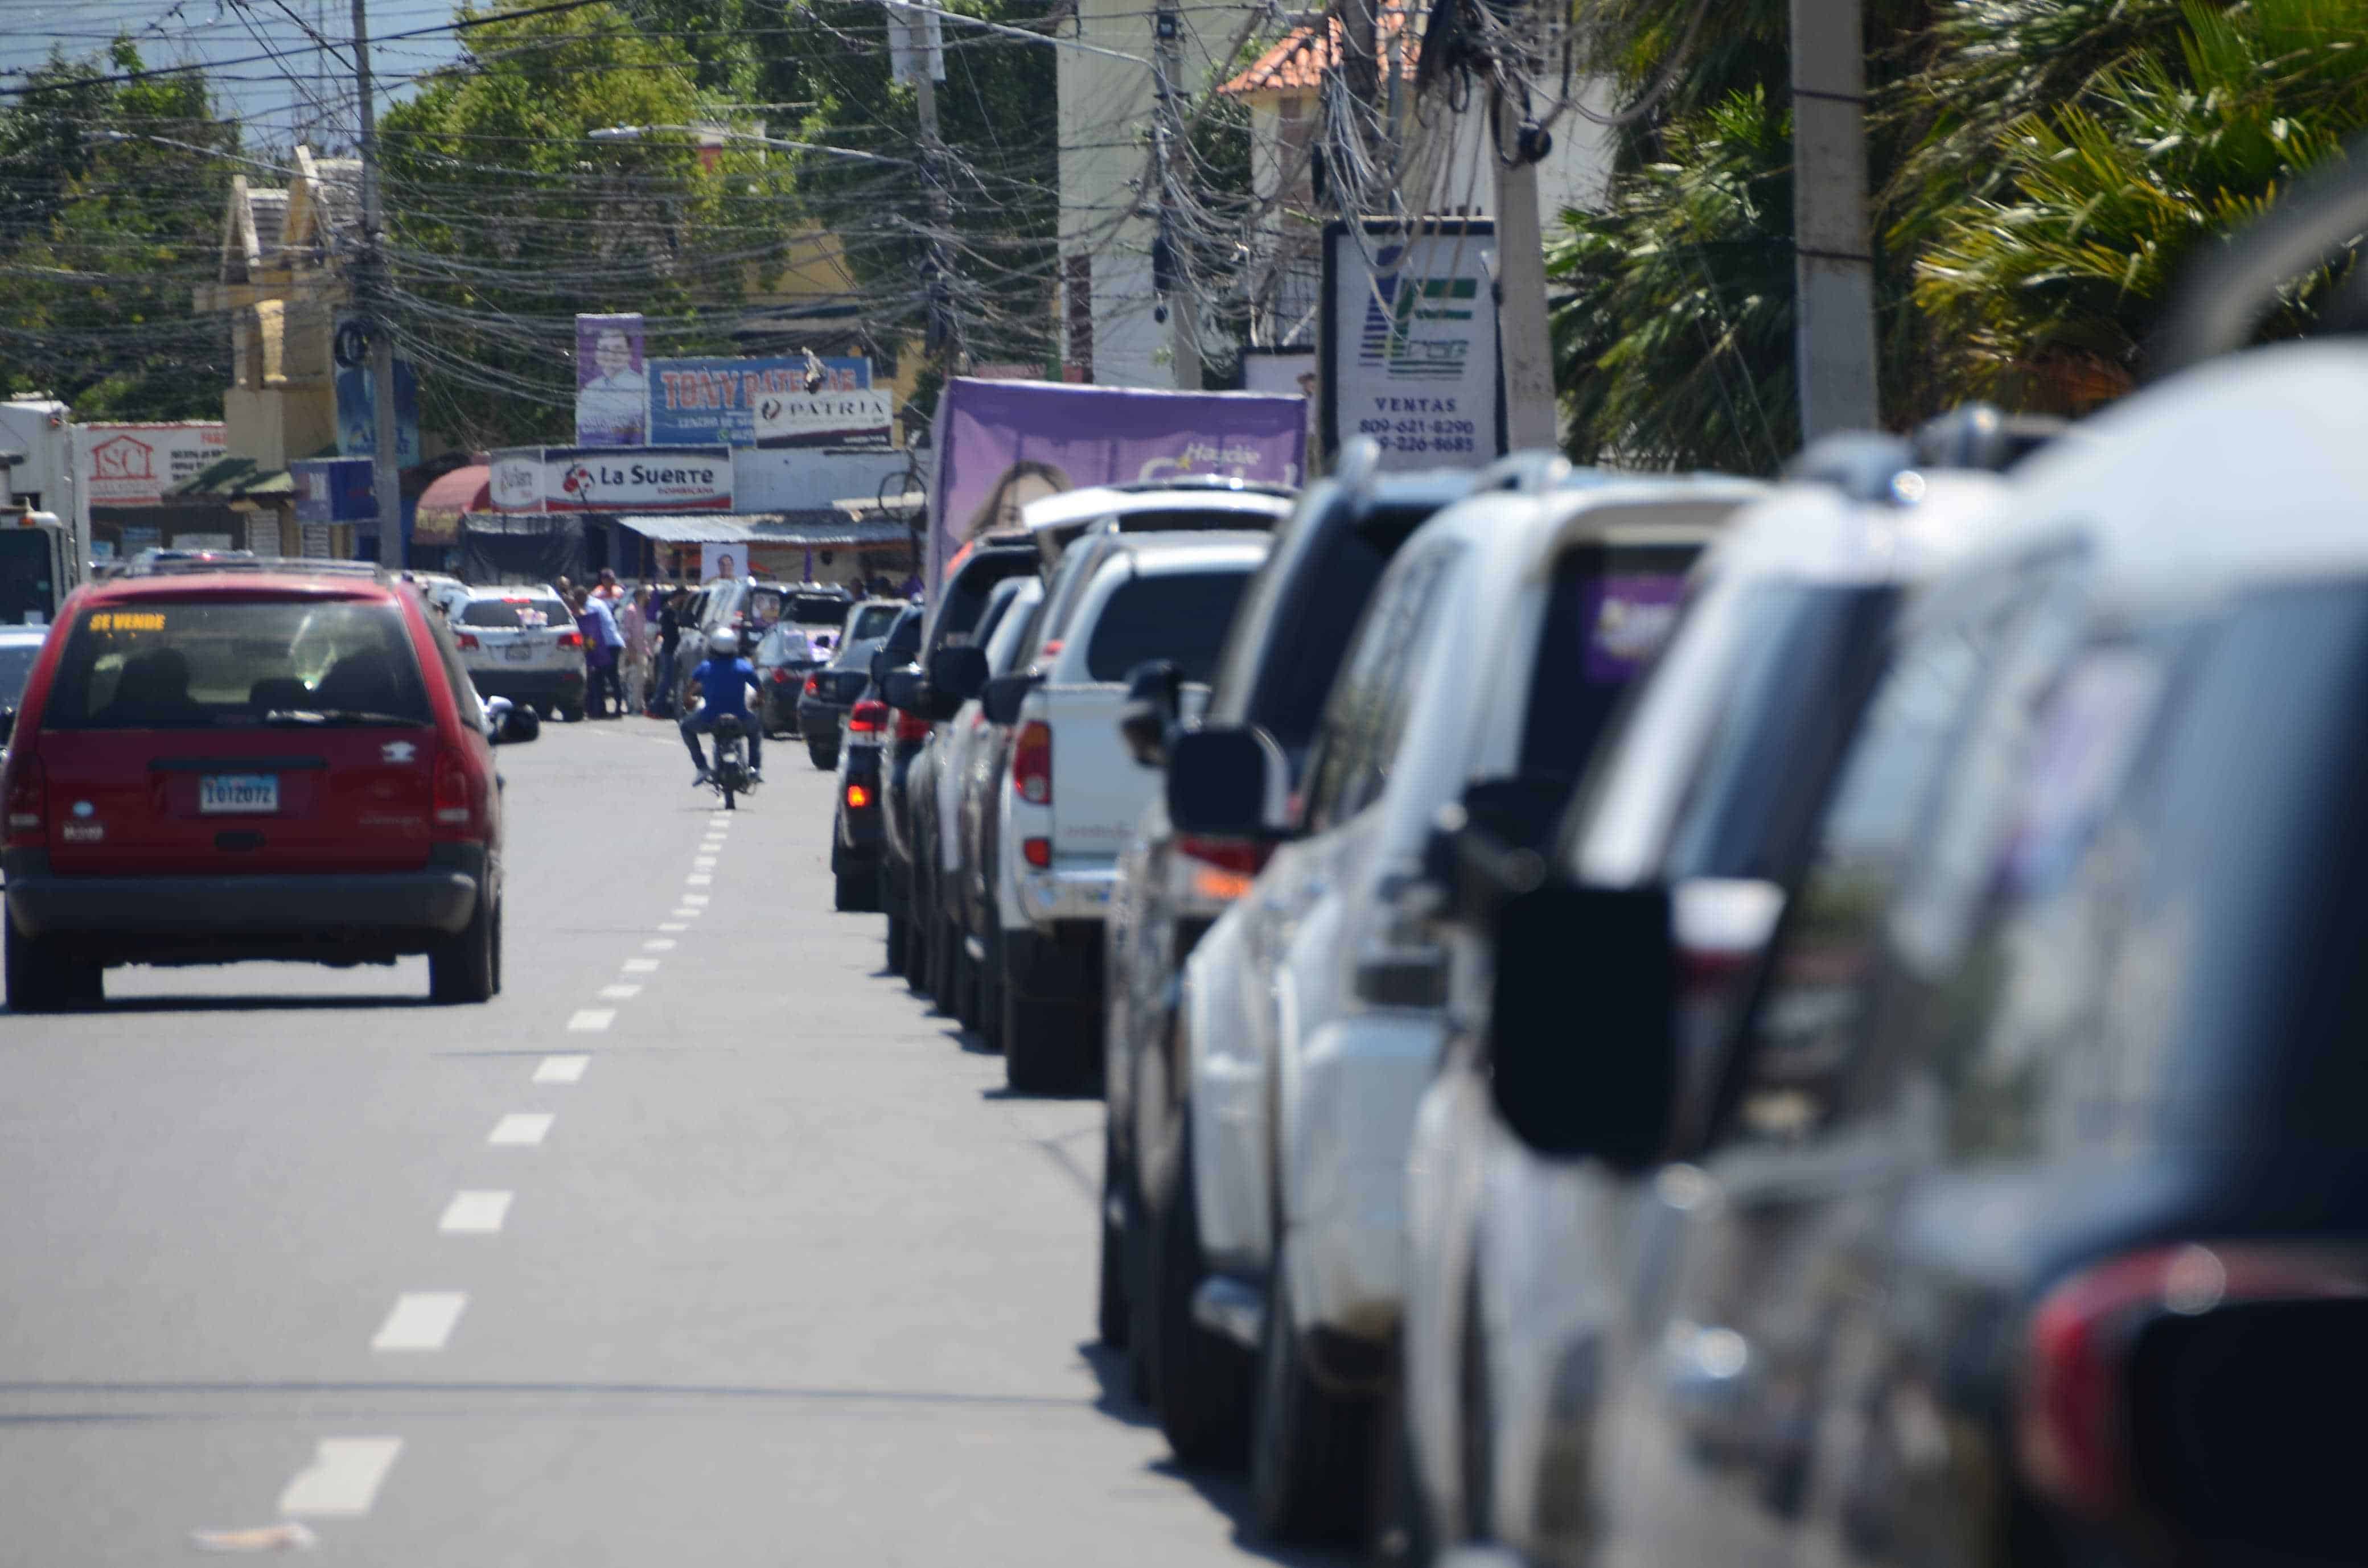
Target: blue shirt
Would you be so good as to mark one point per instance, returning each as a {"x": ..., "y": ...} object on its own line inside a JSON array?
[{"x": 724, "y": 687}]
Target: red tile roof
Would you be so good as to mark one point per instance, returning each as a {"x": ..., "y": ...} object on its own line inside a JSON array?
[{"x": 1298, "y": 63}]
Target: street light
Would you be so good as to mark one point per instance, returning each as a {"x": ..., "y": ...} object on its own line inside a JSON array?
[{"x": 635, "y": 132}]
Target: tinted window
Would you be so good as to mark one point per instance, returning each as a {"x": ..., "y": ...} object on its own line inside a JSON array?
[
  {"x": 1353, "y": 757},
  {"x": 965, "y": 597},
  {"x": 1178, "y": 615},
  {"x": 817, "y": 609},
  {"x": 873, "y": 620},
  {"x": 16, "y": 669},
  {"x": 160, "y": 664},
  {"x": 1307, "y": 627},
  {"x": 1609, "y": 614},
  {"x": 26, "y": 588},
  {"x": 904, "y": 637},
  {"x": 512, "y": 613},
  {"x": 764, "y": 606}
]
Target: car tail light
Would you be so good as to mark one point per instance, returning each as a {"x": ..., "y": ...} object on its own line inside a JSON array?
[
  {"x": 29, "y": 789},
  {"x": 1050, "y": 647},
  {"x": 858, "y": 797},
  {"x": 868, "y": 717},
  {"x": 814, "y": 685},
  {"x": 469, "y": 640},
  {"x": 455, "y": 799},
  {"x": 1038, "y": 851},
  {"x": 1223, "y": 868},
  {"x": 1032, "y": 763},
  {"x": 911, "y": 726},
  {"x": 2073, "y": 1431},
  {"x": 571, "y": 639},
  {"x": 780, "y": 676}
]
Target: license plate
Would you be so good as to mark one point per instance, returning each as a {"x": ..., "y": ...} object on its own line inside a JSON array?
[
  {"x": 517, "y": 652},
  {"x": 220, "y": 794}
]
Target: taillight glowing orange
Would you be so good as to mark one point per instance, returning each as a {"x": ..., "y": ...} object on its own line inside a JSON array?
[
  {"x": 858, "y": 797},
  {"x": 1032, "y": 763}
]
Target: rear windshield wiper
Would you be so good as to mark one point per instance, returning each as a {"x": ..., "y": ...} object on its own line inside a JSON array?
[{"x": 329, "y": 717}]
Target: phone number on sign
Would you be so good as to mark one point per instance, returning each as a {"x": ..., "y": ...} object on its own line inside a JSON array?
[{"x": 1419, "y": 435}]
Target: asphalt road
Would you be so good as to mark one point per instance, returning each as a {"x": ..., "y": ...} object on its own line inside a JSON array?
[{"x": 704, "y": 1242}]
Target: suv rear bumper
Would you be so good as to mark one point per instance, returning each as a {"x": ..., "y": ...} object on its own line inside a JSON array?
[
  {"x": 530, "y": 685},
  {"x": 370, "y": 907},
  {"x": 1068, "y": 892}
]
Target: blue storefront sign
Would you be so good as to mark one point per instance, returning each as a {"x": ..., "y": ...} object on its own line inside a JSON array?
[
  {"x": 707, "y": 402},
  {"x": 334, "y": 490}
]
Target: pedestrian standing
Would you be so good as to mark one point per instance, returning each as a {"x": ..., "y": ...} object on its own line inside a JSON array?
[
  {"x": 636, "y": 657},
  {"x": 608, "y": 590},
  {"x": 670, "y": 617},
  {"x": 602, "y": 641}
]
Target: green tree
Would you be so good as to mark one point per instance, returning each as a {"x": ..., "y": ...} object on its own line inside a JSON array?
[
  {"x": 506, "y": 221},
  {"x": 101, "y": 240}
]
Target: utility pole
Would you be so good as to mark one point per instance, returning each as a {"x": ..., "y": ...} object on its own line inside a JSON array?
[
  {"x": 1834, "y": 253},
  {"x": 1522, "y": 333},
  {"x": 944, "y": 320},
  {"x": 1171, "y": 272},
  {"x": 373, "y": 298}
]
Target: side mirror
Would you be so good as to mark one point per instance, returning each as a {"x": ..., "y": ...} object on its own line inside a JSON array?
[
  {"x": 1491, "y": 845},
  {"x": 1154, "y": 703},
  {"x": 900, "y": 688},
  {"x": 960, "y": 670},
  {"x": 1001, "y": 699},
  {"x": 1607, "y": 1089},
  {"x": 1230, "y": 783}
]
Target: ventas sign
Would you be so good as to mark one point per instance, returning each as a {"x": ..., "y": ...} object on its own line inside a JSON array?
[{"x": 613, "y": 479}]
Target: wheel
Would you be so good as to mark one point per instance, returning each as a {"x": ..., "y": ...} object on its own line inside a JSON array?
[
  {"x": 896, "y": 943},
  {"x": 546, "y": 712},
  {"x": 40, "y": 980},
  {"x": 855, "y": 890},
  {"x": 823, "y": 760},
  {"x": 573, "y": 712},
  {"x": 1311, "y": 1449},
  {"x": 1044, "y": 1045},
  {"x": 1475, "y": 1422},
  {"x": 966, "y": 983},
  {"x": 1111, "y": 1309},
  {"x": 990, "y": 992},
  {"x": 725, "y": 785},
  {"x": 466, "y": 966},
  {"x": 944, "y": 949},
  {"x": 1203, "y": 1379},
  {"x": 920, "y": 926}
]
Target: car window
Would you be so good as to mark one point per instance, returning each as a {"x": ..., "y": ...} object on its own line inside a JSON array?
[
  {"x": 1300, "y": 626},
  {"x": 529, "y": 613},
  {"x": 764, "y": 606},
  {"x": 1608, "y": 613},
  {"x": 904, "y": 637},
  {"x": 1180, "y": 616},
  {"x": 166, "y": 664},
  {"x": 16, "y": 669},
  {"x": 25, "y": 568},
  {"x": 817, "y": 609},
  {"x": 1008, "y": 639},
  {"x": 873, "y": 620},
  {"x": 1355, "y": 744}
]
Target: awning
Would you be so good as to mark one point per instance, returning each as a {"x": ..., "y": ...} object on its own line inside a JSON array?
[
  {"x": 831, "y": 527},
  {"x": 442, "y": 503}
]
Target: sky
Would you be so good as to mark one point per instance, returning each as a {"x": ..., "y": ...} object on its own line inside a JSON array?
[{"x": 283, "y": 85}]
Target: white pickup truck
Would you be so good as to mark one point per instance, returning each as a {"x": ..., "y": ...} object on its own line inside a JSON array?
[{"x": 1073, "y": 791}]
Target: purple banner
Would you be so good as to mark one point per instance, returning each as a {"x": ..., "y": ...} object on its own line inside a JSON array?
[
  {"x": 1003, "y": 444},
  {"x": 1634, "y": 612},
  {"x": 612, "y": 383}
]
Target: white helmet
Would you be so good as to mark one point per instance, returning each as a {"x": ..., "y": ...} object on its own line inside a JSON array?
[{"x": 724, "y": 642}]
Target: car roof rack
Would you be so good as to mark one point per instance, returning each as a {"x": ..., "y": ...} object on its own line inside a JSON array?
[{"x": 274, "y": 566}]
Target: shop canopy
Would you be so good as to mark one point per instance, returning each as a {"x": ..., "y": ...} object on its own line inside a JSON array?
[
  {"x": 447, "y": 499},
  {"x": 830, "y": 528}
]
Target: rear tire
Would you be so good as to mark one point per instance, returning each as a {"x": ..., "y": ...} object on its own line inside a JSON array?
[
  {"x": 823, "y": 760},
  {"x": 1044, "y": 1042},
  {"x": 1112, "y": 1311},
  {"x": 40, "y": 980},
  {"x": 573, "y": 712},
  {"x": 466, "y": 966},
  {"x": 897, "y": 939},
  {"x": 855, "y": 891},
  {"x": 1311, "y": 1449},
  {"x": 921, "y": 924},
  {"x": 1204, "y": 1380}
]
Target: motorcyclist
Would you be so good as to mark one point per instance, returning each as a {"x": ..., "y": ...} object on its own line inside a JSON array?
[{"x": 720, "y": 682}]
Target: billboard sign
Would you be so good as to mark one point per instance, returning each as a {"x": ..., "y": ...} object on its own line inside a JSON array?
[
  {"x": 1408, "y": 343},
  {"x": 138, "y": 465},
  {"x": 1003, "y": 444},
  {"x": 706, "y": 402},
  {"x": 334, "y": 490},
  {"x": 357, "y": 413},
  {"x": 612, "y": 479},
  {"x": 824, "y": 419},
  {"x": 613, "y": 383}
]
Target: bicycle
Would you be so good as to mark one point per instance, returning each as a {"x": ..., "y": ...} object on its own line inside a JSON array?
[{"x": 730, "y": 775}]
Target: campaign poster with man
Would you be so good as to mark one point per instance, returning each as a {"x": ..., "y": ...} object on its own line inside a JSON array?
[{"x": 612, "y": 381}]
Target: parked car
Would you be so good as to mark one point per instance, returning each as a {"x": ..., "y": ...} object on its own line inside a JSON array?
[
  {"x": 1057, "y": 526},
  {"x": 951, "y": 620},
  {"x": 829, "y": 691},
  {"x": 855, "y": 811},
  {"x": 1274, "y": 672},
  {"x": 1709, "y": 784},
  {"x": 1496, "y": 649},
  {"x": 520, "y": 644},
  {"x": 211, "y": 766},
  {"x": 825, "y": 720},
  {"x": 977, "y": 762},
  {"x": 1071, "y": 793},
  {"x": 2024, "y": 1211},
  {"x": 19, "y": 646},
  {"x": 786, "y": 659}
]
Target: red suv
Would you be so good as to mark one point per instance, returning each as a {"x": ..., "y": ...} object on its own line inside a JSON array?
[{"x": 273, "y": 763}]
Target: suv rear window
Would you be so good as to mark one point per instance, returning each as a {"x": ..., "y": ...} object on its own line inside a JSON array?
[
  {"x": 1180, "y": 616},
  {"x": 872, "y": 621},
  {"x": 827, "y": 609},
  {"x": 163, "y": 665},
  {"x": 514, "y": 613}
]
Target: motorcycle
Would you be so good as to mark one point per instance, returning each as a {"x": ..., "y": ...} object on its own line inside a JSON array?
[{"x": 730, "y": 775}]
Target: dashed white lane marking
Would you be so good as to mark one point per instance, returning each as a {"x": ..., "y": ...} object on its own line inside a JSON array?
[
  {"x": 343, "y": 1480},
  {"x": 521, "y": 1127},
  {"x": 619, "y": 993},
  {"x": 700, "y": 878},
  {"x": 420, "y": 1320},
  {"x": 641, "y": 966},
  {"x": 563, "y": 1069},
  {"x": 591, "y": 1021},
  {"x": 659, "y": 945},
  {"x": 705, "y": 862},
  {"x": 689, "y": 912},
  {"x": 475, "y": 1213},
  {"x": 697, "y": 897},
  {"x": 672, "y": 925}
]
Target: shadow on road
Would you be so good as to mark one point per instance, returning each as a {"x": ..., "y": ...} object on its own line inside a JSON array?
[
  {"x": 205, "y": 1003},
  {"x": 1227, "y": 1491}
]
